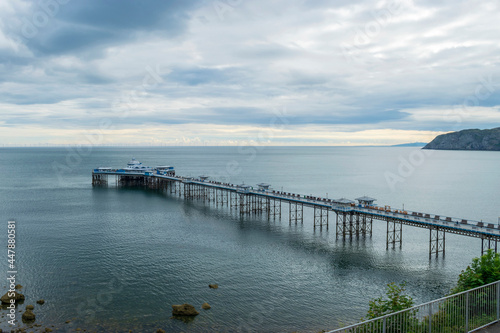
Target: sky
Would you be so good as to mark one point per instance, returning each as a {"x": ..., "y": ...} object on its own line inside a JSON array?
[{"x": 237, "y": 72}]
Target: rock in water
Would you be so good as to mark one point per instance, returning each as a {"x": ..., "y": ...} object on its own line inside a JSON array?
[
  {"x": 18, "y": 286},
  {"x": 28, "y": 315},
  {"x": 17, "y": 297},
  {"x": 41, "y": 301},
  {"x": 213, "y": 286},
  {"x": 184, "y": 310},
  {"x": 206, "y": 306}
]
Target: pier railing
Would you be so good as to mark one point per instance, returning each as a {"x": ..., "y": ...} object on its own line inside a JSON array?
[
  {"x": 467, "y": 311},
  {"x": 448, "y": 222}
]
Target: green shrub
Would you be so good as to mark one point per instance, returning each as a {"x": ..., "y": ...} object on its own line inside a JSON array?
[
  {"x": 483, "y": 270},
  {"x": 395, "y": 301}
]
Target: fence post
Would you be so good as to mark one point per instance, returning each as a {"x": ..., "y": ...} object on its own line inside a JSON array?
[
  {"x": 384, "y": 325},
  {"x": 467, "y": 312},
  {"x": 498, "y": 301},
  {"x": 430, "y": 318}
]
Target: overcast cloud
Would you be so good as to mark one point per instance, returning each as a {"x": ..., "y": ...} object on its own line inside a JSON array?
[{"x": 233, "y": 71}]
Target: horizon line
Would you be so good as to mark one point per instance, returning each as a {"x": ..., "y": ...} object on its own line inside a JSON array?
[{"x": 159, "y": 146}]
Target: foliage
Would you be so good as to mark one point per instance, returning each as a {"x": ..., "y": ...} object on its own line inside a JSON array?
[
  {"x": 450, "y": 317},
  {"x": 483, "y": 270},
  {"x": 396, "y": 301}
]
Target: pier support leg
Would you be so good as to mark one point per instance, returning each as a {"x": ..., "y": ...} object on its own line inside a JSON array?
[
  {"x": 296, "y": 211},
  {"x": 187, "y": 191},
  {"x": 357, "y": 224},
  {"x": 274, "y": 208},
  {"x": 218, "y": 197},
  {"x": 354, "y": 224},
  {"x": 343, "y": 223},
  {"x": 212, "y": 195},
  {"x": 253, "y": 204},
  {"x": 300, "y": 213},
  {"x": 225, "y": 199},
  {"x": 244, "y": 203},
  {"x": 488, "y": 244},
  {"x": 258, "y": 206},
  {"x": 394, "y": 233},
  {"x": 100, "y": 179},
  {"x": 320, "y": 216},
  {"x": 436, "y": 241},
  {"x": 265, "y": 205},
  {"x": 366, "y": 225},
  {"x": 234, "y": 199}
]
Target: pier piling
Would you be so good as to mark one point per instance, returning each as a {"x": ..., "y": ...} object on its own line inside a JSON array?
[
  {"x": 320, "y": 216},
  {"x": 394, "y": 233},
  {"x": 436, "y": 241},
  {"x": 295, "y": 212}
]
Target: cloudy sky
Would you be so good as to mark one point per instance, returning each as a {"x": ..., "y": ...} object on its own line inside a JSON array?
[{"x": 229, "y": 72}]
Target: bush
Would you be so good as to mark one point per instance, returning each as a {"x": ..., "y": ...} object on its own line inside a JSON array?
[
  {"x": 483, "y": 270},
  {"x": 396, "y": 301},
  {"x": 451, "y": 314}
]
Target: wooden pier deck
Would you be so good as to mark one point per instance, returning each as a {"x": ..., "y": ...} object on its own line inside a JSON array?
[{"x": 351, "y": 219}]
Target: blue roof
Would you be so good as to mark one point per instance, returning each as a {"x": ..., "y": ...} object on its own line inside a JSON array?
[{"x": 365, "y": 198}]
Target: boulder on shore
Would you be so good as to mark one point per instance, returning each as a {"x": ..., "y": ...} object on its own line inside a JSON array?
[
  {"x": 28, "y": 315},
  {"x": 184, "y": 310},
  {"x": 8, "y": 296},
  {"x": 213, "y": 286}
]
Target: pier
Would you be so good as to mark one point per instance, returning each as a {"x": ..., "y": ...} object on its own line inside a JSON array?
[{"x": 352, "y": 218}]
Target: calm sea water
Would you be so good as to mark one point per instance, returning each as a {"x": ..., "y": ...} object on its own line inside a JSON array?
[{"x": 114, "y": 259}]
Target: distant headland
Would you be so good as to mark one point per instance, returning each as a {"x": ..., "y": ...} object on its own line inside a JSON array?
[
  {"x": 470, "y": 139},
  {"x": 412, "y": 144}
]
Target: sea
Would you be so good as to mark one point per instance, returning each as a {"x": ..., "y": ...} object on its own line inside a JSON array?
[{"x": 115, "y": 259}]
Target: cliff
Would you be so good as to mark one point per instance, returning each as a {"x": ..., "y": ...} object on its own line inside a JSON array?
[{"x": 471, "y": 139}]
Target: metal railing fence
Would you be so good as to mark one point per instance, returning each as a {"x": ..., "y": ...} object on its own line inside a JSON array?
[{"x": 463, "y": 312}]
